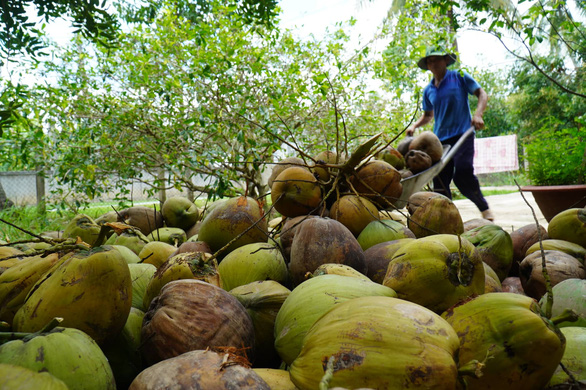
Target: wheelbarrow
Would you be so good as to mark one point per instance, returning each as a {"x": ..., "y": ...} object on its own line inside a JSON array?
[{"x": 416, "y": 182}]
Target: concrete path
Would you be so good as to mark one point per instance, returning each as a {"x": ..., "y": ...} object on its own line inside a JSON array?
[{"x": 510, "y": 210}]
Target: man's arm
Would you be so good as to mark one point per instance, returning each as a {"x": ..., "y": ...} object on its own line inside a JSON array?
[
  {"x": 422, "y": 121},
  {"x": 477, "y": 120}
]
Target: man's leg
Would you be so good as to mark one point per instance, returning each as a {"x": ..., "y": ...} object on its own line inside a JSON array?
[{"x": 464, "y": 177}]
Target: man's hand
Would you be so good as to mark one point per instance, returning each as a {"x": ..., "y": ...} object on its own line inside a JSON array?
[
  {"x": 477, "y": 122},
  {"x": 409, "y": 132}
]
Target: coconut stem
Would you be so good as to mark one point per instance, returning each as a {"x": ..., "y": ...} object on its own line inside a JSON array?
[
  {"x": 8, "y": 336},
  {"x": 473, "y": 368},
  {"x": 568, "y": 315},
  {"x": 548, "y": 287},
  {"x": 324, "y": 384}
]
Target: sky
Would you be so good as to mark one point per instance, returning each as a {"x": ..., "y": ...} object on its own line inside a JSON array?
[
  {"x": 306, "y": 17},
  {"x": 309, "y": 16}
]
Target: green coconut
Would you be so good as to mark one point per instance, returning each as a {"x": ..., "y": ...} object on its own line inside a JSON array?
[
  {"x": 171, "y": 235},
  {"x": 84, "y": 227},
  {"x": 436, "y": 271},
  {"x": 578, "y": 251},
  {"x": 91, "y": 290},
  {"x": 123, "y": 352},
  {"x": 378, "y": 342},
  {"x": 574, "y": 359},
  {"x": 338, "y": 269},
  {"x": 492, "y": 282},
  {"x": 383, "y": 230},
  {"x": 392, "y": 156},
  {"x": 140, "y": 275},
  {"x": 495, "y": 247},
  {"x": 518, "y": 347},
  {"x": 251, "y": 263},
  {"x": 16, "y": 377},
  {"x": 276, "y": 378},
  {"x": 569, "y": 225},
  {"x": 66, "y": 353},
  {"x": 262, "y": 300},
  {"x": 569, "y": 294},
  {"x": 180, "y": 212},
  {"x": 156, "y": 252},
  {"x": 133, "y": 239},
  {"x": 127, "y": 253},
  {"x": 108, "y": 217},
  {"x": 241, "y": 217},
  {"x": 309, "y": 301}
]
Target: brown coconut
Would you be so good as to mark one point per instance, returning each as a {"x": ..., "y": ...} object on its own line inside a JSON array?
[
  {"x": 190, "y": 315},
  {"x": 296, "y": 192},
  {"x": 323, "y": 240},
  {"x": 512, "y": 284},
  {"x": 405, "y": 173},
  {"x": 523, "y": 238},
  {"x": 354, "y": 212},
  {"x": 560, "y": 266},
  {"x": 417, "y": 161},
  {"x": 282, "y": 165},
  {"x": 241, "y": 217},
  {"x": 475, "y": 223},
  {"x": 288, "y": 233},
  {"x": 200, "y": 369},
  {"x": 429, "y": 143},
  {"x": 379, "y": 181},
  {"x": 437, "y": 215},
  {"x": 192, "y": 246},
  {"x": 417, "y": 199},
  {"x": 320, "y": 169},
  {"x": 403, "y": 145},
  {"x": 379, "y": 256}
]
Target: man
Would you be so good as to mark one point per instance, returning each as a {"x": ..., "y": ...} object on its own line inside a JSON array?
[{"x": 445, "y": 98}]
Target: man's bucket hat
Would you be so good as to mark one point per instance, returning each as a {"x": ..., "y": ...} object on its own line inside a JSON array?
[{"x": 436, "y": 51}]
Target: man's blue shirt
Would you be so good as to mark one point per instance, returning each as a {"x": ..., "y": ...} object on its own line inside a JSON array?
[{"x": 449, "y": 103}]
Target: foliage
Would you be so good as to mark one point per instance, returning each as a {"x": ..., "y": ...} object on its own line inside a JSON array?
[
  {"x": 210, "y": 114},
  {"x": 498, "y": 119},
  {"x": 18, "y": 34},
  {"x": 557, "y": 156},
  {"x": 412, "y": 31},
  {"x": 535, "y": 100},
  {"x": 532, "y": 24}
]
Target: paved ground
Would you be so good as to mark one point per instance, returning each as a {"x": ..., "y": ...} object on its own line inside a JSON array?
[{"x": 510, "y": 210}]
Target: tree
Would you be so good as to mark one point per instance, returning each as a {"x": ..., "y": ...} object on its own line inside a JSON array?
[
  {"x": 212, "y": 101},
  {"x": 539, "y": 22},
  {"x": 20, "y": 35},
  {"x": 99, "y": 23}
]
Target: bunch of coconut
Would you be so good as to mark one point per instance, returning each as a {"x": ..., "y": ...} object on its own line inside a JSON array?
[{"x": 414, "y": 154}]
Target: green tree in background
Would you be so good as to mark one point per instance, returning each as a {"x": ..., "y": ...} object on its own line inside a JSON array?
[{"x": 215, "y": 100}]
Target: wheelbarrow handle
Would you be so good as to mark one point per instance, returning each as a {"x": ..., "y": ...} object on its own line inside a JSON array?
[{"x": 448, "y": 156}]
